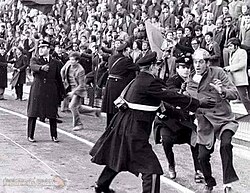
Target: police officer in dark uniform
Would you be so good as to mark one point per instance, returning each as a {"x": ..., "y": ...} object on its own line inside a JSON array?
[
  {"x": 45, "y": 92},
  {"x": 121, "y": 71},
  {"x": 125, "y": 146},
  {"x": 175, "y": 126}
]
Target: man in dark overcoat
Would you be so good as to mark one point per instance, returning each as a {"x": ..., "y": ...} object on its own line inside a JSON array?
[
  {"x": 175, "y": 126},
  {"x": 46, "y": 91},
  {"x": 121, "y": 71},
  {"x": 3, "y": 72},
  {"x": 20, "y": 66},
  {"x": 125, "y": 146}
]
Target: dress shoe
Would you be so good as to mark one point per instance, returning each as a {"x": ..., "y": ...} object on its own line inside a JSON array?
[
  {"x": 228, "y": 189},
  {"x": 98, "y": 189},
  {"x": 198, "y": 177},
  {"x": 32, "y": 140},
  {"x": 55, "y": 139},
  {"x": 59, "y": 121},
  {"x": 208, "y": 189},
  {"x": 3, "y": 99},
  {"x": 78, "y": 128},
  {"x": 172, "y": 172}
]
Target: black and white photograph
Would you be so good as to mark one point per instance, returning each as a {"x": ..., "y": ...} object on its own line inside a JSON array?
[{"x": 124, "y": 96}]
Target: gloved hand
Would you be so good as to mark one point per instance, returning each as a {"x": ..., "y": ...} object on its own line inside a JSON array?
[{"x": 207, "y": 102}]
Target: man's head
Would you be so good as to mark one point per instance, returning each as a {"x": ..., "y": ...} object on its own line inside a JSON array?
[
  {"x": 228, "y": 21},
  {"x": 195, "y": 43},
  {"x": 233, "y": 44},
  {"x": 183, "y": 65},
  {"x": 209, "y": 37},
  {"x": 148, "y": 62},
  {"x": 43, "y": 48},
  {"x": 200, "y": 61},
  {"x": 74, "y": 58},
  {"x": 124, "y": 49},
  {"x": 145, "y": 45},
  {"x": 198, "y": 30}
]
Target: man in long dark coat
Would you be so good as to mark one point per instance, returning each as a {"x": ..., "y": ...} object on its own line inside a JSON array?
[
  {"x": 121, "y": 72},
  {"x": 3, "y": 72},
  {"x": 125, "y": 146},
  {"x": 46, "y": 91}
]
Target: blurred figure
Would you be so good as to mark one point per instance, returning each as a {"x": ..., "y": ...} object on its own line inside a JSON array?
[
  {"x": 3, "y": 71},
  {"x": 20, "y": 66}
]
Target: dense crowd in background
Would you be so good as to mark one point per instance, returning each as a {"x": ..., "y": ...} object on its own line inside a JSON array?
[{"x": 95, "y": 28}]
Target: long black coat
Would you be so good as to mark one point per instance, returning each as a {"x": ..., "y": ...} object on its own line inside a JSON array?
[
  {"x": 3, "y": 71},
  {"x": 125, "y": 146},
  {"x": 46, "y": 90},
  {"x": 125, "y": 68},
  {"x": 21, "y": 64}
]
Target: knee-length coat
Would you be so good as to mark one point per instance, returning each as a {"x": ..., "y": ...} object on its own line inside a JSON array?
[
  {"x": 212, "y": 122},
  {"x": 46, "y": 90},
  {"x": 125, "y": 146},
  {"x": 125, "y": 69},
  {"x": 21, "y": 64},
  {"x": 3, "y": 71}
]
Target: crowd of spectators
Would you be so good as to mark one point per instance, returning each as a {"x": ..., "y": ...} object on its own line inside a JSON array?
[{"x": 96, "y": 28}]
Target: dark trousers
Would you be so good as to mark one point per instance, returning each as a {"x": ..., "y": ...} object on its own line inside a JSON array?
[
  {"x": 229, "y": 174},
  {"x": 150, "y": 182},
  {"x": 32, "y": 126},
  {"x": 19, "y": 91},
  {"x": 244, "y": 92},
  {"x": 168, "y": 143}
]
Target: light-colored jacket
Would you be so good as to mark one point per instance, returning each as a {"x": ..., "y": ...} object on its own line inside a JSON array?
[
  {"x": 79, "y": 75},
  {"x": 213, "y": 121},
  {"x": 238, "y": 67},
  {"x": 245, "y": 35}
]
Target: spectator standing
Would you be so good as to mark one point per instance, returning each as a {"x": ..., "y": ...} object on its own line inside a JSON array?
[
  {"x": 238, "y": 70},
  {"x": 20, "y": 66},
  {"x": 3, "y": 71}
]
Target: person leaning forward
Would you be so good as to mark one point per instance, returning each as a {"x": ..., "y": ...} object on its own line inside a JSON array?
[
  {"x": 124, "y": 146},
  {"x": 217, "y": 122},
  {"x": 45, "y": 92},
  {"x": 173, "y": 125}
]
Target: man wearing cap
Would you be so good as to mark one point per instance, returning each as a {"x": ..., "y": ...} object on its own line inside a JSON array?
[
  {"x": 175, "y": 126},
  {"x": 45, "y": 92},
  {"x": 125, "y": 146},
  {"x": 217, "y": 122},
  {"x": 121, "y": 72},
  {"x": 237, "y": 69}
]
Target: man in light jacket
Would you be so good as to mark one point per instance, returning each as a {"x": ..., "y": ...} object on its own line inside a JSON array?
[{"x": 238, "y": 70}]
